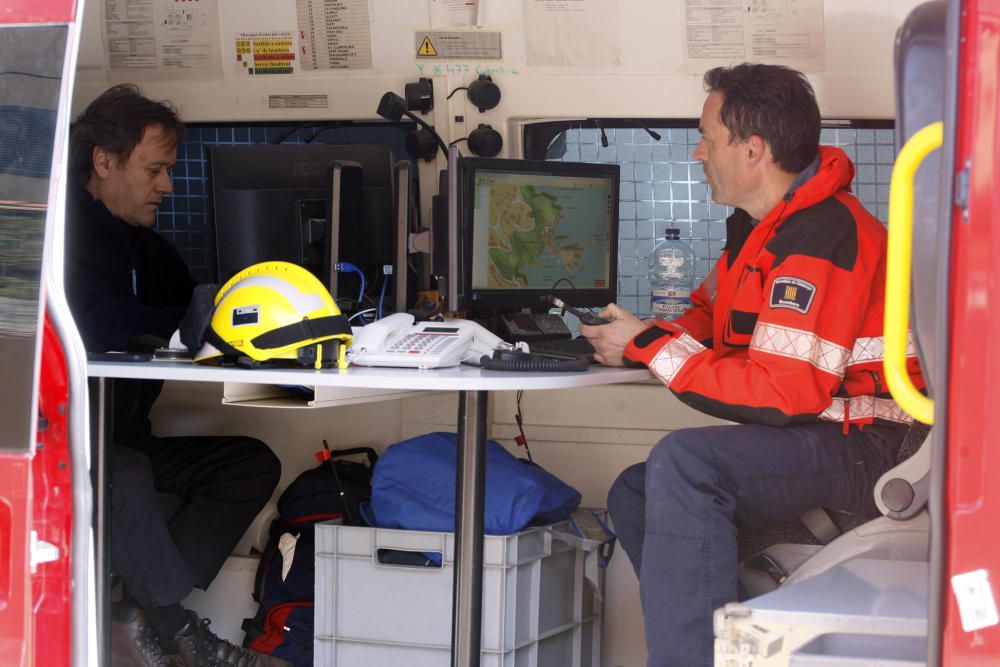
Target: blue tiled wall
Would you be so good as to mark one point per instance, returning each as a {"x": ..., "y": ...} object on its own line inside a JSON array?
[
  {"x": 662, "y": 186},
  {"x": 185, "y": 218}
]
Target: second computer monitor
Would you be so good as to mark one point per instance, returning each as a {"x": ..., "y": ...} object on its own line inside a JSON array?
[
  {"x": 313, "y": 205},
  {"x": 534, "y": 228}
]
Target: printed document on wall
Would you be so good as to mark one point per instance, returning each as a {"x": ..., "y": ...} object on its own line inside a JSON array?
[
  {"x": 727, "y": 32},
  {"x": 572, "y": 32},
  {"x": 164, "y": 39},
  {"x": 334, "y": 34}
]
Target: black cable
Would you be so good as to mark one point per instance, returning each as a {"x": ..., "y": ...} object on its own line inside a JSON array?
[
  {"x": 347, "y": 518},
  {"x": 652, "y": 133},
  {"x": 604, "y": 136},
  {"x": 288, "y": 134},
  {"x": 521, "y": 440},
  {"x": 566, "y": 280},
  {"x": 30, "y": 74},
  {"x": 335, "y": 126},
  {"x": 452, "y": 143},
  {"x": 455, "y": 91}
]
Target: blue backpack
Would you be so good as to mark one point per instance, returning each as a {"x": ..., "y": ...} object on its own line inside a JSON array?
[
  {"x": 283, "y": 625},
  {"x": 413, "y": 487}
]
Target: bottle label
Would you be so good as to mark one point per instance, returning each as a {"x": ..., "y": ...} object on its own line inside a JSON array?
[{"x": 669, "y": 303}]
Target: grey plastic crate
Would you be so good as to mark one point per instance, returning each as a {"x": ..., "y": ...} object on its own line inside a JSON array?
[
  {"x": 538, "y": 610},
  {"x": 844, "y": 649}
]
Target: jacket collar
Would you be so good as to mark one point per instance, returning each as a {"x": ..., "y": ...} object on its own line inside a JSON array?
[
  {"x": 833, "y": 174},
  {"x": 95, "y": 217}
]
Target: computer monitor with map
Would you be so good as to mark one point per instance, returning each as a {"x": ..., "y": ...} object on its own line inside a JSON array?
[{"x": 534, "y": 228}]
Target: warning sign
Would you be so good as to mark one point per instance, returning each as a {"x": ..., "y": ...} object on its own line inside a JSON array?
[
  {"x": 427, "y": 49},
  {"x": 458, "y": 45}
]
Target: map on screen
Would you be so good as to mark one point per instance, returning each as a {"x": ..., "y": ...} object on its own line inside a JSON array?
[{"x": 540, "y": 229}]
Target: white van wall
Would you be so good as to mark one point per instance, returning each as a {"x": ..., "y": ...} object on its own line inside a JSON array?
[{"x": 650, "y": 82}]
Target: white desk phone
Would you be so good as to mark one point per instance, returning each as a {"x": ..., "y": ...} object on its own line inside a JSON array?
[{"x": 396, "y": 341}]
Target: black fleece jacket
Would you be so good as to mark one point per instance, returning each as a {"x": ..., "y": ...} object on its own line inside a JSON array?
[{"x": 122, "y": 282}]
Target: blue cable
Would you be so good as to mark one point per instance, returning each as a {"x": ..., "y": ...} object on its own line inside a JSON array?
[{"x": 347, "y": 266}]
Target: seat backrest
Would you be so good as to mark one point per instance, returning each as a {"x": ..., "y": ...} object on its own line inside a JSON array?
[{"x": 920, "y": 82}]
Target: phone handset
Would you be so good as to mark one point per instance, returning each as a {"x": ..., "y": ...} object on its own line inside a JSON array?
[
  {"x": 375, "y": 337},
  {"x": 484, "y": 342}
]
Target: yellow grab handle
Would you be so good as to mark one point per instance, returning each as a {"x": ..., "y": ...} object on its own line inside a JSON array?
[{"x": 898, "y": 266}]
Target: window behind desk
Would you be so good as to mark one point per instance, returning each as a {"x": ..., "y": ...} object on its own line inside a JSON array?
[
  {"x": 185, "y": 218},
  {"x": 663, "y": 186}
]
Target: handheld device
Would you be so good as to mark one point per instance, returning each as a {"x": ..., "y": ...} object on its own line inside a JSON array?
[
  {"x": 532, "y": 327},
  {"x": 172, "y": 354},
  {"x": 120, "y": 356},
  {"x": 397, "y": 341},
  {"x": 586, "y": 317}
]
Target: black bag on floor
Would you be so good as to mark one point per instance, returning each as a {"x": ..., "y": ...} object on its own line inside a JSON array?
[{"x": 284, "y": 584}]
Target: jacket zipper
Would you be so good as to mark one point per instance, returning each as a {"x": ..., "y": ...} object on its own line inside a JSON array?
[{"x": 877, "y": 381}]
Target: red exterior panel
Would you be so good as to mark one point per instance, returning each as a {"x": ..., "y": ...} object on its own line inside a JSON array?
[
  {"x": 52, "y": 507},
  {"x": 15, "y": 607},
  {"x": 973, "y": 504},
  {"x": 37, "y": 11}
]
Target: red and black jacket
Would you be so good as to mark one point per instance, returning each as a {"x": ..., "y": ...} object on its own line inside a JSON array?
[{"x": 787, "y": 328}]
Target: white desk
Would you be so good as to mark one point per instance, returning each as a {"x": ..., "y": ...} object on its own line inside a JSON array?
[{"x": 473, "y": 385}]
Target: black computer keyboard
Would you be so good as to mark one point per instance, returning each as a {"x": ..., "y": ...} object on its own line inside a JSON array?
[{"x": 579, "y": 347}]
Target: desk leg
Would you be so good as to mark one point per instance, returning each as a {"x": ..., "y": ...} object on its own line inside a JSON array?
[
  {"x": 470, "y": 477},
  {"x": 100, "y": 401}
]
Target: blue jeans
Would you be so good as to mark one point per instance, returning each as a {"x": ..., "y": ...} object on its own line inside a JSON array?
[{"x": 676, "y": 515}]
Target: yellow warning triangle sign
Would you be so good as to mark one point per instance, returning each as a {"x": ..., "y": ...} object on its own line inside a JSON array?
[{"x": 426, "y": 48}]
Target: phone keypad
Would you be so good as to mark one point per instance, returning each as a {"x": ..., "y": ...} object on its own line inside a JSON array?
[{"x": 421, "y": 343}]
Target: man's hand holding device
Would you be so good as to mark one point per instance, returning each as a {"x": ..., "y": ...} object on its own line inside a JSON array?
[{"x": 610, "y": 337}]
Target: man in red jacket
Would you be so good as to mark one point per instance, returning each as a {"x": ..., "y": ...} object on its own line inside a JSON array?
[{"x": 783, "y": 336}]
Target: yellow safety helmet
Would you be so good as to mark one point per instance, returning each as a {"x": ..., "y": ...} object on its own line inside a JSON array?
[{"x": 276, "y": 311}]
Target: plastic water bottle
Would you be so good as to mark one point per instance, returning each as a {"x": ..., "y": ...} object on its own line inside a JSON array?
[{"x": 671, "y": 276}]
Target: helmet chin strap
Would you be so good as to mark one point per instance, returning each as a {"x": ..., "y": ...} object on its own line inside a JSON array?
[{"x": 303, "y": 330}]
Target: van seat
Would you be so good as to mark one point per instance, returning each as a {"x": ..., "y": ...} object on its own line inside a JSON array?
[{"x": 776, "y": 555}]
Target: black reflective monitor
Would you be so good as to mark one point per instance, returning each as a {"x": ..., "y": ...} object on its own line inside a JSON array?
[
  {"x": 274, "y": 202},
  {"x": 533, "y": 228}
]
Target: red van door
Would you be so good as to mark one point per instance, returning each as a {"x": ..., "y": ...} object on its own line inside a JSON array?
[{"x": 35, "y": 497}]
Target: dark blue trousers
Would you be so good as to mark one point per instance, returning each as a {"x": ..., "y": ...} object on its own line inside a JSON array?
[
  {"x": 676, "y": 515},
  {"x": 220, "y": 483}
]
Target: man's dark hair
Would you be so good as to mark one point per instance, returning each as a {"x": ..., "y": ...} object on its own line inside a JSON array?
[
  {"x": 116, "y": 121},
  {"x": 773, "y": 102}
]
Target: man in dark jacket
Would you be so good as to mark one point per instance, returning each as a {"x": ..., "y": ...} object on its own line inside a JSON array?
[{"x": 126, "y": 286}]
